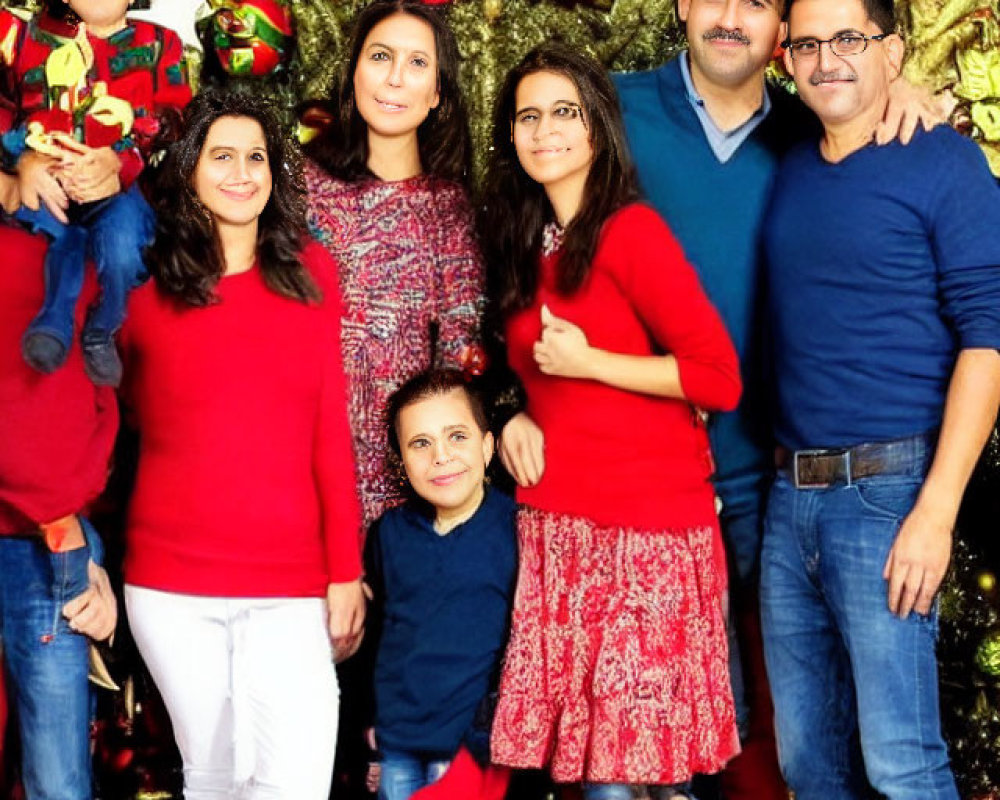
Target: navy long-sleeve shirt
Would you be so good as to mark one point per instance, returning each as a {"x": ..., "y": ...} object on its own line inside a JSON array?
[
  {"x": 881, "y": 267},
  {"x": 445, "y": 606}
]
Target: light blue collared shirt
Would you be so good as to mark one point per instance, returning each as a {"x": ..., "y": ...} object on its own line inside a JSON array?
[{"x": 723, "y": 143}]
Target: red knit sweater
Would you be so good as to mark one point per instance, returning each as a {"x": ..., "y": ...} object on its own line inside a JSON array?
[
  {"x": 56, "y": 431},
  {"x": 618, "y": 457},
  {"x": 245, "y": 483}
]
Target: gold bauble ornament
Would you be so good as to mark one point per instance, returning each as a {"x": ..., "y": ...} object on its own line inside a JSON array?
[
  {"x": 986, "y": 581},
  {"x": 988, "y": 654}
]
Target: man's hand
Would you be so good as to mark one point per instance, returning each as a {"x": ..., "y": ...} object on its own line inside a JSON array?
[
  {"x": 563, "y": 348},
  {"x": 346, "y": 606},
  {"x": 10, "y": 194},
  {"x": 522, "y": 449},
  {"x": 908, "y": 107},
  {"x": 90, "y": 173},
  {"x": 918, "y": 561},
  {"x": 37, "y": 184},
  {"x": 95, "y": 612}
]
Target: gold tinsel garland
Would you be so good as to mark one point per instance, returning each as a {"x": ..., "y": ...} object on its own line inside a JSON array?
[{"x": 953, "y": 49}]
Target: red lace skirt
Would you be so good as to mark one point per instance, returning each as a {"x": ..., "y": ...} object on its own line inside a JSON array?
[{"x": 617, "y": 667}]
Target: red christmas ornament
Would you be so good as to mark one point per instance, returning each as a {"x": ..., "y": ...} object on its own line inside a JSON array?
[{"x": 473, "y": 360}]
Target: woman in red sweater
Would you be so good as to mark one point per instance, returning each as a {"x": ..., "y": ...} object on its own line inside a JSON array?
[
  {"x": 616, "y": 672},
  {"x": 242, "y": 568}
]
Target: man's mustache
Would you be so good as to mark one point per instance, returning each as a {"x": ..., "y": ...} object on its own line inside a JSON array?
[
  {"x": 819, "y": 77},
  {"x": 723, "y": 34}
]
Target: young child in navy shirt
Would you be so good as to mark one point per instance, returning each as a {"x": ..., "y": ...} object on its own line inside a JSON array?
[{"x": 441, "y": 570}]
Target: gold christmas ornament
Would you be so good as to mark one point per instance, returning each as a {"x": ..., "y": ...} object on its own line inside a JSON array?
[{"x": 988, "y": 654}]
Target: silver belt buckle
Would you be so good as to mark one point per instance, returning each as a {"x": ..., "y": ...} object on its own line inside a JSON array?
[{"x": 800, "y": 484}]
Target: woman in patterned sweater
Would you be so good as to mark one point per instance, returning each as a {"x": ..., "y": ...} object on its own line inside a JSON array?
[{"x": 386, "y": 199}]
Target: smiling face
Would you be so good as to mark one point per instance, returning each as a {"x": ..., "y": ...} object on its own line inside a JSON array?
[
  {"x": 731, "y": 41},
  {"x": 842, "y": 90},
  {"x": 552, "y": 137},
  {"x": 233, "y": 176},
  {"x": 444, "y": 452},
  {"x": 396, "y": 77}
]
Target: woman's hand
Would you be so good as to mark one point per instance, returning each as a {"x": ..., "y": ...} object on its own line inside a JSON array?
[
  {"x": 563, "y": 348},
  {"x": 91, "y": 174},
  {"x": 95, "y": 612},
  {"x": 37, "y": 185},
  {"x": 345, "y": 604},
  {"x": 522, "y": 449},
  {"x": 909, "y": 106}
]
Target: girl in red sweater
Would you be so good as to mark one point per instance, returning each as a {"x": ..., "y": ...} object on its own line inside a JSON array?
[
  {"x": 242, "y": 568},
  {"x": 616, "y": 672}
]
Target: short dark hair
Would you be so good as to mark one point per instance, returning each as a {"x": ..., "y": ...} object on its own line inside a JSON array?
[
  {"x": 881, "y": 12},
  {"x": 186, "y": 259},
  {"x": 443, "y": 138},
  {"x": 432, "y": 383}
]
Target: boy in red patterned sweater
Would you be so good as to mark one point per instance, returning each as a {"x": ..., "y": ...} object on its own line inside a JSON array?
[{"x": 85, "y": 94}]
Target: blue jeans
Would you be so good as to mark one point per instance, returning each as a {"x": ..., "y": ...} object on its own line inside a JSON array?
[
  {"x": 855, "y": 687},
  {"x": 114, "y": 233},
  {"x": 624, "y": 791},
  {"x": 742, "y": 536},
  {"x": 403, "y": 773},
  {"x": 47, "y": 664}
]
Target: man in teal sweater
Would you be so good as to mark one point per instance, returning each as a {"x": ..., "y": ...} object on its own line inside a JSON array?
[{"x": 706, "y": 134}]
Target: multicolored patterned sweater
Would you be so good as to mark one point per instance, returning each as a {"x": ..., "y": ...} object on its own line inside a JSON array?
[
  {"x": 412, "y": 282},
  {"x": 142, "y": 64}
]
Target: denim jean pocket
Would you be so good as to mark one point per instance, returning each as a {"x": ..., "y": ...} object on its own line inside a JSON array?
[
  {"x": 889, "y": 497},
  {"x": 69, "y": 574}
]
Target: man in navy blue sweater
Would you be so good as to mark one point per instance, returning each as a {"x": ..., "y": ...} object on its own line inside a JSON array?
[
  {"x": 706, "y": 134},
  {"x": 884, "y": 295}
]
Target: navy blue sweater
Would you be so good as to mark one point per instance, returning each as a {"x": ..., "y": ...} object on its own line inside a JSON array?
[
  {"x": 881, "y": 267},
  {"x": 716, "y": 212},
  {"x": 445, "y": 609}
]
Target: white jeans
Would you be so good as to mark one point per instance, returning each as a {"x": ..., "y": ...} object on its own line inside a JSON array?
[{"x": 250, "y": 687}]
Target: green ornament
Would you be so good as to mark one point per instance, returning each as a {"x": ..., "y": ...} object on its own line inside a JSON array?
[{"x": 988, "y": 654}]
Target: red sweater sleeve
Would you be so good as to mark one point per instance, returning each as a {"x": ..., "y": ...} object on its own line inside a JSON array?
[
  {"x": 666, "y": 294},
  {"x": 171, "y": 93},
  {"x": 334, "y": 458}
]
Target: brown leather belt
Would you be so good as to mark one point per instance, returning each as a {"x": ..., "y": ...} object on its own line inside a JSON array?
[{"x": 822, "y": 468}]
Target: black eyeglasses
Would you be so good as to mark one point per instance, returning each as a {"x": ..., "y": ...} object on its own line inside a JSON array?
[{"x": 849, "y": 43}]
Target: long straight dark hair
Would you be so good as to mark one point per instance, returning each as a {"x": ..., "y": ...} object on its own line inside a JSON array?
[
  {"x": 443, "y": 138},
  {"x": 186, "y": 258},
  {"x": 515, "y": 208}
]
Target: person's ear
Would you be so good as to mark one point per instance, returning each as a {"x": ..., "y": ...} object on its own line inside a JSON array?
[
  {"x": 683, "y": 8},
  {"x": 895, "y": 52},
  {"x": 789, "y": 63},
  {"x": 488, "y": 448},
  {"x": 782, "y": 34}
]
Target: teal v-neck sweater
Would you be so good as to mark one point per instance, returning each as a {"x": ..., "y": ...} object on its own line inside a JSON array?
[{"x": 716, "y": 212}]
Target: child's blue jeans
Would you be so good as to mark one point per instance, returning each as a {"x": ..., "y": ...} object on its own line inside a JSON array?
[
  {"x": 403, "y": 773},
  {"x": 114, "y": 233}
]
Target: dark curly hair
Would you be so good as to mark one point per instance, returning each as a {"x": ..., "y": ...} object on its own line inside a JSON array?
[
  {"x": 186, "y": 258},
  {"x": 443, "y": 138}
]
